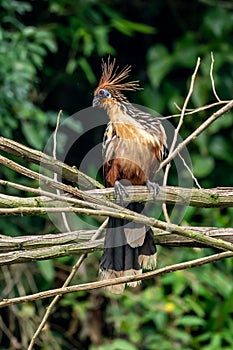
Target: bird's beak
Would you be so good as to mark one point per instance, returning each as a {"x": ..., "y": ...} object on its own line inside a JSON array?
[{"x": 95, "y": 101}]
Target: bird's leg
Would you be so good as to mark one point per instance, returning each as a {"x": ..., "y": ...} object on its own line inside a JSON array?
[
  {"x": 119, "y": 189},
  {"x": 153, "y": 186}
]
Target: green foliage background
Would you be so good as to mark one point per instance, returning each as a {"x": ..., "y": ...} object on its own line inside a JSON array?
[{"x": 50, "y": 55}]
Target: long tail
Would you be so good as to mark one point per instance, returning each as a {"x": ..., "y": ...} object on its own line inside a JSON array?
[{"x": 128, "y": 248}]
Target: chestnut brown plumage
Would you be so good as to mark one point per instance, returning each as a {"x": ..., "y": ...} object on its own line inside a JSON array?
[{"x": 133, "y": 147}]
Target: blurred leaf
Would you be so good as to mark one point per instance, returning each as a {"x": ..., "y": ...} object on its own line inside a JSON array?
[
  {"x": 71, "y": 66},
  {"x": 128, "y": 27},
  {"x": 190, "y": 321},
  {"x": 33, "y": 137},
  {"x": 28, "y": 310},
  {"x": 186, "y": 50},
  {"x": 202, "y": 166},
  {"x": 87, "y": 69},
  {"x": 33, "y": 80},
  {"x": 102, "y": 41},
  {"x": 219, "y": 21},
  {"x": 220, "y": 148},
  {"x": 47, "y": 269},
  {"x": 215, "y": 343},
  {"x": 224, "y": 122},
  {"x": 120, "y": 344},
  {"x": 159, "y": 64},
  {"x": 195, "y": 306}
]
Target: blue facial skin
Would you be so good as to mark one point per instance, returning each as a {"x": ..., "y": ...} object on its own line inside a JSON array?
[{"x": 102, "y": 93}]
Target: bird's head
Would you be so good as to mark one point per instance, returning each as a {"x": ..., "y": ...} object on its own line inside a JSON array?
[
  {"x": 110, "y": 85},
  {"x": 101, "y": 96}
]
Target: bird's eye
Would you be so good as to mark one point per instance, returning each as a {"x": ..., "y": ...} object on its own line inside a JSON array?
[{"x": 104, "y": 93}]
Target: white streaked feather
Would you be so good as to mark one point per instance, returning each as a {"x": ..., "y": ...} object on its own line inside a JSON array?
[
  {"x": 148, "y": 262},
  {"x": 119, "y": 288}
]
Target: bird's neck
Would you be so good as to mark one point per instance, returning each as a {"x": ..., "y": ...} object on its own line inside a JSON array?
[{"x": 117, "y": 113}]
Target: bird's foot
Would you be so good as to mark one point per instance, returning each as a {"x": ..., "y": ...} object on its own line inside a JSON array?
[
  {"x": 153, "y": 186},
  {"x": 119, "y": 190}
]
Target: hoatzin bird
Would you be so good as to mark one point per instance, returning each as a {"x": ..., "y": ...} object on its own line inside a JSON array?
[{"x": 133, "y": 147}]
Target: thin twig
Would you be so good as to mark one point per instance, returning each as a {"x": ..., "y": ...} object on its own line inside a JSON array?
[
  {"x": 66, "y": 283},
  {"x": 55, "y": 177},
  {"x": 212, "y": 77},
  {"x": 164, "y": 205},
  {"x": 194, "y": 110},
  {"x": 198, "y": 131},
  {"x": 119, "y": 280},
  {"x": 190, "y": 171},
  {"x": 176, "y": 133}
]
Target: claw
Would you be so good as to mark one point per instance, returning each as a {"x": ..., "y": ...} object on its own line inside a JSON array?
[
  {"x": 119, "y": 189},
  {"x": 153, "y": 186}
]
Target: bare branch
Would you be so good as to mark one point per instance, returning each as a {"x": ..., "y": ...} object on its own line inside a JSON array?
[
  {"x": 190, "y": 171},
  {"x": 220, "y": 197},
  {"x": 198, "y": 131},
  {"x": 205, "y": 198},
  {"x": 195, "y": 110},
  {"x": 66, "y": 283},
  {"x": 131, "y": 216},
  {"x": 176, "y": 133},
  {"x": 23, "y": 249},
  {"x": 55, "y": 177},
  {"x": 100, "y": 203},
  {"x": 212, "y": 77},
  {"x": 69, "y": 173},
  {"x": 119, "y": 280}
]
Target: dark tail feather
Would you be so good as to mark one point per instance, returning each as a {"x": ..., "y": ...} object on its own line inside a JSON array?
[{"x": 128, "y": 247}]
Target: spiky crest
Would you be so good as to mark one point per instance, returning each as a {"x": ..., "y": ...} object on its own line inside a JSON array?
[{"x": 111, "y": 79}]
